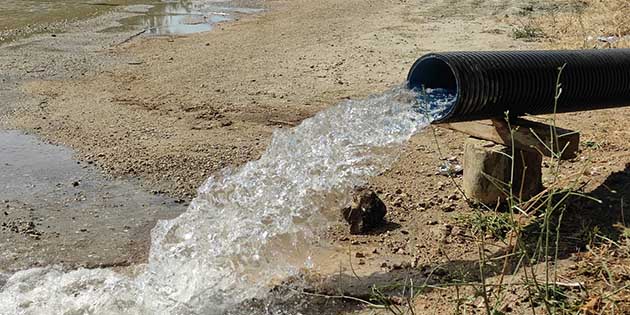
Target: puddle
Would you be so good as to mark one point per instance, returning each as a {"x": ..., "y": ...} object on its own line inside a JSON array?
[
  {"x": 181, "y": 17},
  {"x": 22, "y": 18},
  {"x": 54, "y": 209}
]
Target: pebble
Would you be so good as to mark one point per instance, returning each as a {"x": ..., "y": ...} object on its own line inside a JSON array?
[
  {"x": 398, "y": 202},
  {"x": 448, "y": 208},
  {"x": 457, "y": 231}
]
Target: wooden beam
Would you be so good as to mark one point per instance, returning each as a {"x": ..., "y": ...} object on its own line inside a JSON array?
[{"x": 528, "y": 135}]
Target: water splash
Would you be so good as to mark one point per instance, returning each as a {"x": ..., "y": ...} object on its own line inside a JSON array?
[
  {"x": 437, "y": 102},
  {"x": 247, "y": 227}
]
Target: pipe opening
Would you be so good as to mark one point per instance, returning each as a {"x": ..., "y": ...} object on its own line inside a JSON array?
[
  {"x": 440, "y": 92},
  {"x": 432, "y": 73}
]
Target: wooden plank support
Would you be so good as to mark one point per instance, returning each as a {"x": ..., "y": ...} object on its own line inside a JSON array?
[{"x": 528, "y": 135}]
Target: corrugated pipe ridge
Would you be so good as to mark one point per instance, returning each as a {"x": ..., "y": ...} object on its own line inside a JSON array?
[{"x": 523, "y": 82}]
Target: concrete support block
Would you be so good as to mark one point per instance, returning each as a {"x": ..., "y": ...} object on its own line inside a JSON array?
[{"x": 488, "y": 170}]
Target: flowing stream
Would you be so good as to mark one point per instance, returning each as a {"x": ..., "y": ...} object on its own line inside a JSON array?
[{"x": 247, "y": 226}]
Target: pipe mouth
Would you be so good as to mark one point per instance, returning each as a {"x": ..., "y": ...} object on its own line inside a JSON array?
[{"x": 434, "y": 72}]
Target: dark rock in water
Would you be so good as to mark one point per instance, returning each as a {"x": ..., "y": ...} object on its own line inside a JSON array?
[{"x": 366, "y": 212}]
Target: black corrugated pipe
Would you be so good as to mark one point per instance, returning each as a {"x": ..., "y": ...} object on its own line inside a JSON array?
[{"x": 523, "y": 82}]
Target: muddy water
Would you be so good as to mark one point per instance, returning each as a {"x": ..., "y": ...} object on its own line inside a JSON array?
[
  {"x": 20, "y": 18},
  {"x": 183, "y": 17},
  {"x": 32, "y": 14},
  {"x": 55, "y": 209}
]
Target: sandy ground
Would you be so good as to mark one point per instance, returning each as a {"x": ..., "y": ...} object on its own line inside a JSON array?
[{"x": 171, "y": 111}]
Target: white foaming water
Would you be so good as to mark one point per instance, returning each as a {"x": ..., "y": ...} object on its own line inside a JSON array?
[{"x": 246, "y": 228}]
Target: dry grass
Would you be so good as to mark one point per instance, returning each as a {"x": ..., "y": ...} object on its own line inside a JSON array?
[{"x": 586, "y": 24}]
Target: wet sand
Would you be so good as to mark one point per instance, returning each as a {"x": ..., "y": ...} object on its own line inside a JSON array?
[{"x": 57, "y": 210}]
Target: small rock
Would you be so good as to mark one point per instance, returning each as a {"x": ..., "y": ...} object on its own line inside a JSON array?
[
  {"x": 457, "y": 231},
  {"x": 366, "y": 212},
  {"x": 359, "y": 255},
  {"x": 432, "y": 222},
  {"x": 448, "y": 229},
  {"x": 442, "y": 232},
  {"x": 448, "y": 208},
  {"x": 398, "y": 202},
  {"x": 397, "y": 300},
  {"x": 450, "y": 168},
  {"x": 75, "y": 184}
]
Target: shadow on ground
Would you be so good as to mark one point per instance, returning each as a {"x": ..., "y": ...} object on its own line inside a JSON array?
[{"x": 584, "y": 221}]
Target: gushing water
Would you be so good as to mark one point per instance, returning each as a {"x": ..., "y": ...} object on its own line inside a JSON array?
[{"x": 247, "y": 227}]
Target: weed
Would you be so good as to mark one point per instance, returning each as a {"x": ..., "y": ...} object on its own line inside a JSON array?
[
  {"x": 584, "y": 24},
  {"x": 494, "y": 224},
  {"x": 528, "y": 32}
]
